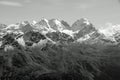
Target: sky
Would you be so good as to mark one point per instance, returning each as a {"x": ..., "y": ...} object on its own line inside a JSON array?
[{"x": 98, "y": 12}]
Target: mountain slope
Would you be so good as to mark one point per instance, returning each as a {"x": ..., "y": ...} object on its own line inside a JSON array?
[
  {"x": 55, "y": 30},
  {"x": 46, "y": 50}
]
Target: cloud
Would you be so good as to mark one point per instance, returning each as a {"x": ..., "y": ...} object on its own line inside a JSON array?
[
  {"x": 83, "y": 6},
  {"x": 119, "y": 1},
  {"x": 77, "y": 4},
  {"x": 27, "y": 1},
  {"x": 51, "y": 2},
  {"x": 11, "y": 3}
]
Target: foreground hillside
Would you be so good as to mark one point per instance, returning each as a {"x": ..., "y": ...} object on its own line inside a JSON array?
[
  {"x": 54, "y": 50},
  {"x": 63, "y": 62}
]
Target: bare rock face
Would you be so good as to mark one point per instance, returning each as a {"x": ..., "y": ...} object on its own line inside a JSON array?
[
  {"x": 26, "y": 28},
  {"x": 56, "y": 25},
  {"x": 2, "y": 29},
  {"x": 51, "y": 49},
  {"x": 59, "y": 37},
  {"x": 67, "y": 26},
  {"x": 33, "y": 37},
  {"x": 85, "y": 31},
  {"x": 9, "y": 40},
  {"x": 54, "y": 31},
  {"x": 81, "y": 24},
  {"x": 42, "y": 25}
]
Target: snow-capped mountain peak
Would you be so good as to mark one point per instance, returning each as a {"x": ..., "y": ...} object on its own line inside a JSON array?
[
  {"x": 110, "y": 29},
  {"x": 82, "y": 30},
  {"x": 43, "y": 23},
  {"x": 80, "y": 24},
  {"x": 12, "y": 26},
  {"x": 111, "y": 32},
  {"x": 86, "y": 21},
  {"x": 34, "y": 22},
  {"x": 43, "y": 26},
  {"x": 56, "y": 24},
  {"x": 24, "y": 23},
  {"x": 47, "y": 22},
  {"x": 44, "y": 19}
]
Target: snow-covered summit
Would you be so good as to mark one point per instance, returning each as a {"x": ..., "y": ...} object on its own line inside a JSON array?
[
  {"x": 86, "y": 21},
  {"x": 56, "y": 25},
  {"x": 80, "y": 30},
  {"x": 80, "y": 24},
  {"x": 111, "y": 31}
]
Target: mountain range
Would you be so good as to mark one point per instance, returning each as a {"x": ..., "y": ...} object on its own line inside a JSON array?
[
  {"x": 54, "y": 50},
  {"x": 56, "y": 31}
]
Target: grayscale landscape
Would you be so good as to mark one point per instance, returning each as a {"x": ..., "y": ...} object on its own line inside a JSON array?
[{"x": 80, "y": 42}]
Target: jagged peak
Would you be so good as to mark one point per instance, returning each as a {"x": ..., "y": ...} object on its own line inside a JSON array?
[
  {"x": 84, "y": 20},
  {"x": 65, "y": 22},
  {"x": 56, "y": 24},
  {"x": 110, "y": 29},
  {"x": 15, "y": 26},
  {"x": 56, "y": 21},
  {"x": 81, "y": 24},
  {"x": 44, "y": 19},
  {"x": 43, "y": 25},
  {"x": 47, "y": 22},
  {"x": 24, "y": 23},
  {"x": 2, "y": 25},
  {"x": 34, "y": 22}
]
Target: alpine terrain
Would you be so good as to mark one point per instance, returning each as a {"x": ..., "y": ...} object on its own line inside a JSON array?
[{"x": 54, "y": 50}]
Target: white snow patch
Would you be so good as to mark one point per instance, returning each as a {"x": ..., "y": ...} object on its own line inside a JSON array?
[
  {"x": 69, "y": 32},
  {"x": 40, "y": 43},
  {"x": 49, "y": 28},
  {"x": 86, "y": 21},
  {"x": 83, "y": 38},
  {"x": 34, "y": 22},
  {"x": 110, "y": 30},
  {"x": 58, "y": 23},
  {"x": 12, "y": 26},
  {"x": 8, "y": 47},
  {"x": 21, "y": 41}
]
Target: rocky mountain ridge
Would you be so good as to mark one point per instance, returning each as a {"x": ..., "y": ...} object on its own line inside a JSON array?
[{"x": 55, "y": 31}]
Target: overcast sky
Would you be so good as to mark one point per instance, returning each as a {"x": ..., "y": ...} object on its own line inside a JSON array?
[{"x": 98, "y": 12}]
